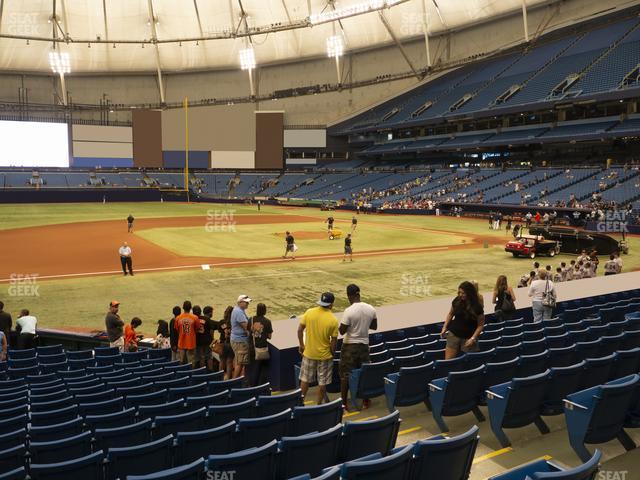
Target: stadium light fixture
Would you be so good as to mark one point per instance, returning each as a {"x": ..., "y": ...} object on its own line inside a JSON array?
[
  {"x": 247, "y": 59},
  {"x": 59, "y": 63},
  {"x": 355, "y": 9},
  {"x": 335, "y": 46}
]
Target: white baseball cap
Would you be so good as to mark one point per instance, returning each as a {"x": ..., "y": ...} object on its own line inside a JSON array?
[{"x": 244, "y": 298}]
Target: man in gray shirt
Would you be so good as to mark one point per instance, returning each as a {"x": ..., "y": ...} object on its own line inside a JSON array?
[{"x": 114, "y": 326}]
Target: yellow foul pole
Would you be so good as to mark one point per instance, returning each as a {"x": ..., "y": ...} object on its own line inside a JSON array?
[{"x": 186, "y": 145}]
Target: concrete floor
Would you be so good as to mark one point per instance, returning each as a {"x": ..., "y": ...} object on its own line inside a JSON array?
[{"x": 527, "y": 443}]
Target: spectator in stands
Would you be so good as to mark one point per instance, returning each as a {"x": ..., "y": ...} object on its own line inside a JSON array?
[
  {"x": 26, "y": 328},
  {"x": 223, "y": 346},
  {"x": 207, "y": 314},
  {"x": 557, "y": 277},
  {"x": 594, "y": 261},
  {"x": 477, "y": 287},
  {"x": 537, "y": 292},
  {"x": 130, "y": 335},
  {"x": 587, "y": 270},
  {"x": 163, "y": 338},
  {"x": 261, "y": 331},
  {"x": 240, "y": 336},
  {"x": 564, "y": 271},
  {"x": 5, "y": 321},
  {"x": 504, "y": 299},
  {"x": 173, "y": 332},
  {"x": 357, "y": 320},
  {"x": 317, "y": 352},
  {"x": 114, "y": 326},
  {"x": 582, "y": 257},
  {"x": 577, "y": 271},
  {"x": 185, "y": 325},
  {"x": 464, "y": 322},
  {"x": 203, "y": 339},
  {"x": 611, "y": 266},
  {"x": 3, "y": 346}
]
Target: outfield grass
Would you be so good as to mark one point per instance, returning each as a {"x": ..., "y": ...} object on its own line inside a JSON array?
[{"x": 287, "y": 288}]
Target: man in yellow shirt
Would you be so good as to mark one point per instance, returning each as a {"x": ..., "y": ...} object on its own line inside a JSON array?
[{"x": 317, "y": 353}]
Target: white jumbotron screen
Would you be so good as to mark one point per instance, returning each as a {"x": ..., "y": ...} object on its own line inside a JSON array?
[{"x": 34, "y": 144}]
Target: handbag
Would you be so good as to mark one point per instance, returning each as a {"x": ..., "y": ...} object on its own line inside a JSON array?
[
  {"x": 508, "y": 305},
  {"x": 261, "y": 353},
  {"x": 549, "y": 297}
]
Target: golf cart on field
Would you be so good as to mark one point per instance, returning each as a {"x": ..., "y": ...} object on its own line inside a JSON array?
[{"x": 532, "y": 246}]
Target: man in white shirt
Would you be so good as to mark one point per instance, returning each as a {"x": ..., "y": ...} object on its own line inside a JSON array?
[
  {"x": 355, "y": 324},
  {"x": 26, "y": 327},
  {"x": 125, "y": 258},
  {"x": 618, "y": 261}
]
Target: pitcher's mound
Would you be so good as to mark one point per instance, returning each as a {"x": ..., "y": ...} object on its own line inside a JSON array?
[{"x": 305, "y": 235}]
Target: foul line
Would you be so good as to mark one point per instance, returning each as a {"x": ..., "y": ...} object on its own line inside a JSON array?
[
  {"x": 267, "y": 275},
  {"x": 243, "y": 262}
]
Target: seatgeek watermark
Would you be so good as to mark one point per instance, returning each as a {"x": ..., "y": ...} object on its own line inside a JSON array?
[
  {"x": 415, "y": 285},
  {"x": 614, "y": 221},
  {"x": 221, "y": 475},
  {"x": 24, "y": 24},
  {"x": 23, "y": 285},
  {"x": 412, "y": 23},
  {"x": 612, "y": 475},
  {"x": 220, "y": 221}
]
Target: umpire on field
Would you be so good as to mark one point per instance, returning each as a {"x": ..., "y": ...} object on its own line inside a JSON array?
[{"x": 125, "y": 258}]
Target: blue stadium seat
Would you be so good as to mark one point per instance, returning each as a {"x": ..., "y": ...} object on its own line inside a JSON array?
[
  {"x": 475, "y": 359},
  {"x": 182, "y": 392},
  {"x": 626, "y": 362},
  {"x": 497, "y": 373},
  {"x": 407, "y": 387},
  {"x": 202, "y": 443},
  {"x": 196, "y": 402},
  {"x": 12, "y": 458},
  {"x": 89, "y": 467},
  {"x": 162, "y": 353},
  {"x": 546, "y": 469},
  {"x": 52, "y": 358},
  {"x": 315, "y": 418},
  {"x": 43, "y": 379},
  {"x": 579, "y": 335},
  {"x": 130, "y": 357},
  {"x": 111, "y": 420},
  {"x": 433, "y": 355},
  {"x": 17, "y": 474},
  {"x": 369, "y": 436},
  {"x": 631, "y": 339},
  {"x": 331, "y": 473},
  {"x": 562, "y": 382},
  {"x": 532, "y": 364},
  {"x": 79, "y": 354},
  {"x": 253, "y": 463},
  {"x": 101, "y": 408},
  {"x": 489, "y": 344},
  {"x": 516, "y": 404},
  {"x": 8, "y": 384},
  {"x": 241, "y": 394},
  {"x": 510, "y": 340},
  {"x": 272, "y": 404},
  {"x": 206, "y": 377},
  {"x": 507, "y": 353},
  {"x": 395, "y": 465},
  {"x": 442, "y": 368},
  {"x": 414, "y": 360},
  {"x": 562, "y": 356},
  {"x": 53, "y": 417},
  {"x": 80, "y": 364},
  {"x": 22, "y": 372},
  {"x": 533, "y": 347},
  {"x": 185, "y": 422},
  {"x": 13, "y": 438},
  {"x": 54, "y": 367},
  {"x": 129, "y": 435},
  {"x": 191, "y": 471},
  {"x": 13, "y": 403},
  {"x": 14, "y": 423},
  {"x": 597, "y": 371},
  {"x": 171, "y": 408},
  {"x": 140, "y": 459},
  {"x": 58, "y": 431},
  {"x": 21, "y": 354},
  {"x": 63, "y": 450},
  {"x": 153, "y": 398},
  {"x": 222, "y": 414},
  {"x": 610, "y": 344},
  {"x": 142, "y": 389},
  {"x": 597, "y": 414},
  {"x": 587, "y": 349},
  {"x": 445, "y": 458},
  {"x": 222, "y": 385},
  {"x": 255, "y": 432},
  {"x": 310, "y": 453},
  {"x": 106, "y": 351},
  {"x": 368, "y": 381},
  {"x": 51, "y": 405},
  {"x": 456, "y": 394}
]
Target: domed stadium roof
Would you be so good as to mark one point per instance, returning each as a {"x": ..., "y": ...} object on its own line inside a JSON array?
[{"x": 177, "y": 35}]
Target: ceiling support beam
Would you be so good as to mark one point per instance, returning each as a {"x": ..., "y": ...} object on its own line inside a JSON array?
[
  {"x": 154, "y": 37},
  {"x": 386, "y": 24},
  {"x": 293, "y": 32},
  {"x": 1, "y": 11},
  {"x": 425, "y": 28},
  {"x": 195, "y": 6},
  {"x": 525, "y": 21},
  {"x": 105, "y": 18}
]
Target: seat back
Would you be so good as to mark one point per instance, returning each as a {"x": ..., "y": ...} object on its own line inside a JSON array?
[
  {"x": 129, "y": 435},
  {"x": 442, "y": 368},
  {"x": 222, "y": 385},
  {"x": 532, "y": 364},
  {"x": 369, "y": 436},
  {"x": 586, "y": 471},
  {"x": 59, "y": 431},
  {"x": 255, "y": 463},
  {"x": 562, "y": 356},
  {"x": 610, "y": 409},
  {"x": 497, "y": 373},
  {"x": 222, "y": 414},
  {"x": 397, "y": 465},
  {"x": 185, "y": 422},
  {"x": 596, "y": 371},
  {"x": 111, "y": 420},
  {"x": 504, "y": 353},
  {"x": 196, "y": 402},
  {"x": 89, "y": 466},
  {"x": 309, "y": 453},
  {"x": 477, "y": 359},
  {"x": 445, "y": 458},
  {"x": 61, "y": 450},
  {"x": 524, "y": 402},
  {"x": 462, "y": 391},
  {"x": 272, "y": 404},
  {"x": 140, "y": 459},
  {"x": 202, "y": 443},
  {"x": 316, "y": 418},
  {"x": 371, "y": 380},
  {"x": 242, "y": 394},
  {"x": 255, "y": 432},
  {"x": 562, "y": 382},
  {"x": 626, "y": 362}
]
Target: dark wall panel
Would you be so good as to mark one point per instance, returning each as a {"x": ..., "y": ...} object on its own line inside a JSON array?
[
  {"x": 269, "y": 140},
  {"x": 147, "y": 138}
]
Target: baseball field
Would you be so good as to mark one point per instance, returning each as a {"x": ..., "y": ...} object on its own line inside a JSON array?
[{"x": 61, "y": 260}]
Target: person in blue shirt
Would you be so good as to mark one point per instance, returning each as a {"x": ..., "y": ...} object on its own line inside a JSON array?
[{"x": 240, "y": 336}]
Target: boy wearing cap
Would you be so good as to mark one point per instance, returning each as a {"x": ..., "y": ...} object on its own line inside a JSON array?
[
  {"x": 240, "y": 336},
  {"x": 321, "y": 327},
  {"x": 114, "y": 326},
  {"x": 355, "y": 324}
]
